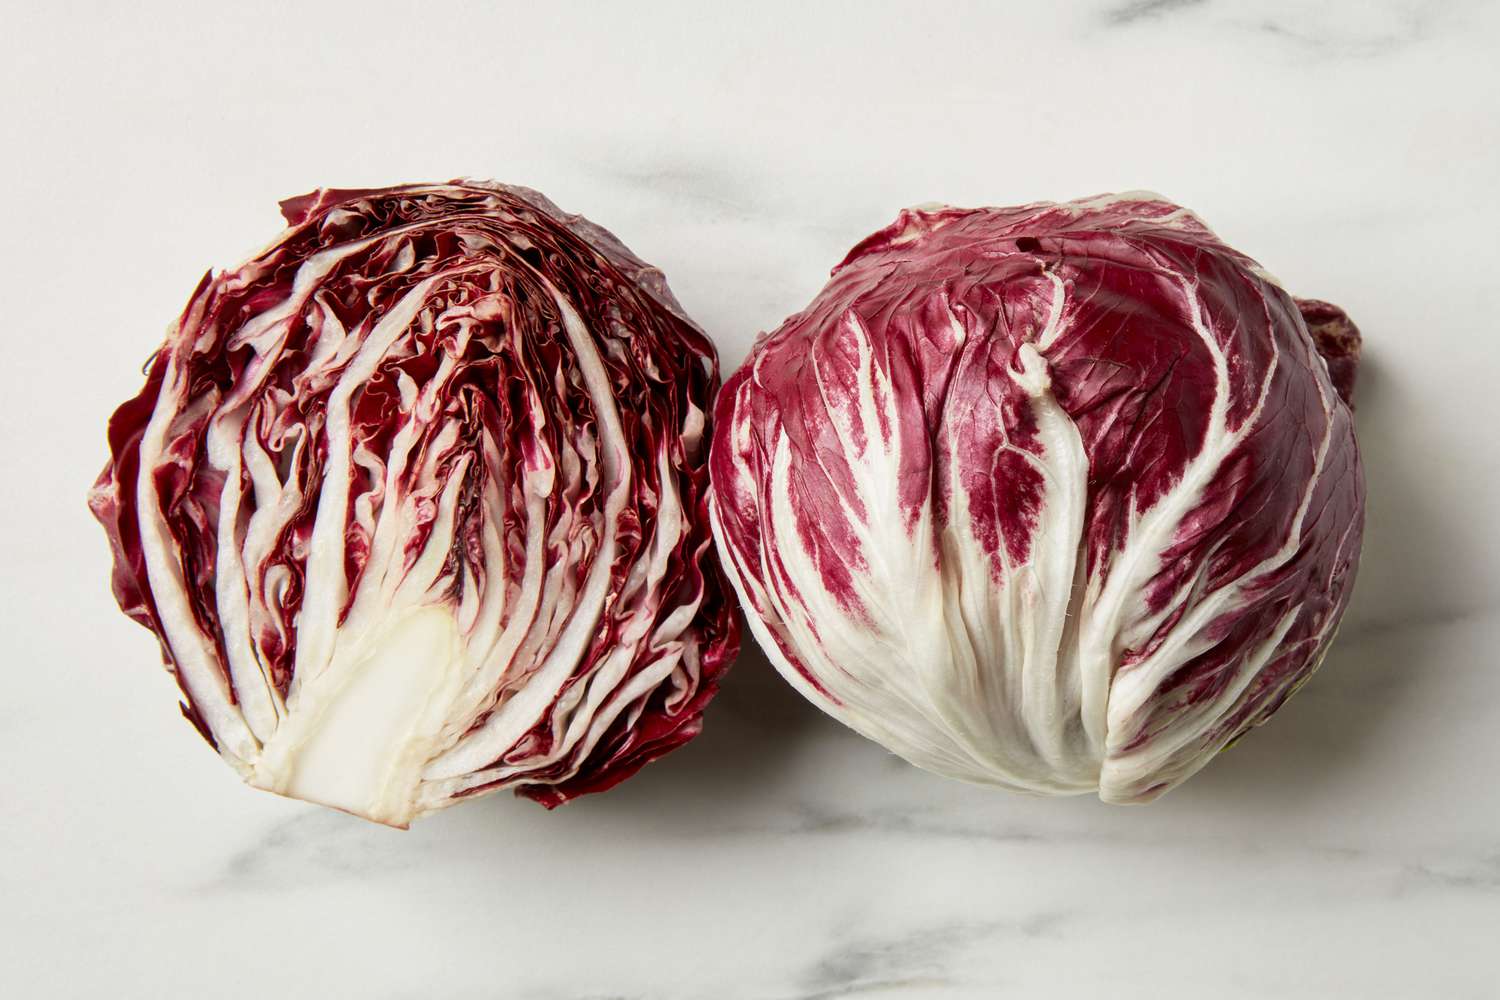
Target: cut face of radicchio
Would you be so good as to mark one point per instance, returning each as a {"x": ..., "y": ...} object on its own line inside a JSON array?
[
  {"x": 1060, "y": 498},
  {"x": 415, "y": 501}
]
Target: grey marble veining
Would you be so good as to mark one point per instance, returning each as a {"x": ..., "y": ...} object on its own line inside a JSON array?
[
  {"x": 1146, "y": 10},
  {"x": 1327, "y": 31},
  {"x": 1351, "y": 847}
]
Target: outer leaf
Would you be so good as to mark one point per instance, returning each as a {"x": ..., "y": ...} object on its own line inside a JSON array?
[{"x": 1059, "y": 498}]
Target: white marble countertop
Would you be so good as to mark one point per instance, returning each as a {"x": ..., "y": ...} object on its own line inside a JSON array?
[{"x": 1352, "y": 847}]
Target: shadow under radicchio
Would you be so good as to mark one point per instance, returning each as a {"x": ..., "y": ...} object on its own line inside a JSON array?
[{"x": 753, "y": 741}]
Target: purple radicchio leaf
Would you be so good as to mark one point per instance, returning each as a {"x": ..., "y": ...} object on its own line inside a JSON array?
[
  {"x": 1062, "y": 498},
  {"x": 415, "y": 502}
]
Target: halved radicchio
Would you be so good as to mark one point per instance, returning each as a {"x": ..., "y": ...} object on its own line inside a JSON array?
[
  {"x": 1060, "y": 498},
  {"x": 415, "y": 502}
]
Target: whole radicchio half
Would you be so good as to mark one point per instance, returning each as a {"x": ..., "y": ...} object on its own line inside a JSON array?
[
  {"x": 415, "y": 501},
  {"x": 1061, "y": 498}
]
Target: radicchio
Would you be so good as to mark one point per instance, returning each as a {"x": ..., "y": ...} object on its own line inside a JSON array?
[
  {"x": 1062, "y": 498},
  {"x": 415, "y": 501}
]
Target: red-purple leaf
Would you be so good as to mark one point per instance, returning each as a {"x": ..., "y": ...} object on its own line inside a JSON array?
[
  {"x": 1062, "y": 497},
  {"x": 415, "y": 501}
]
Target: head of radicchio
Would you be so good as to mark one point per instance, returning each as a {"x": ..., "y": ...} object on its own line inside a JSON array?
[
  {"x": 1061, "y": 498},
  {"x": 415, "y": 502}
]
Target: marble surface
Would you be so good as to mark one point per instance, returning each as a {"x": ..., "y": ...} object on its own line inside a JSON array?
[{"x": 1352, "y": 847}]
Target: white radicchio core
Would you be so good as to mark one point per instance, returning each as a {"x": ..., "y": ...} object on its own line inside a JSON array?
[
  {"x": 1059, "y": 498},
  {"x": 415, "y": 501}
]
